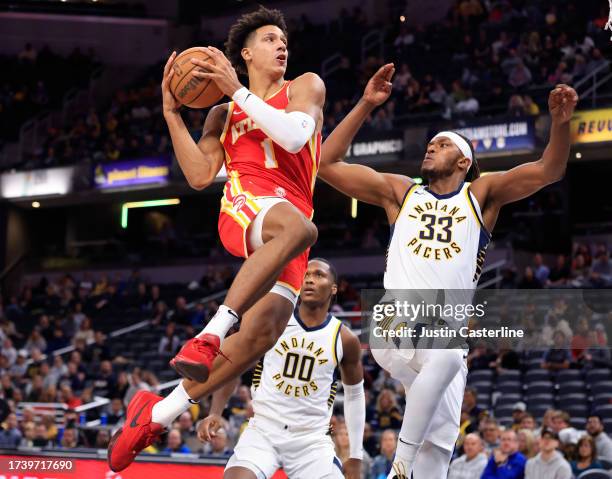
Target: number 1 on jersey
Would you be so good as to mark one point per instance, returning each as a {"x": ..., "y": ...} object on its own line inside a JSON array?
[{"x": 268, "y": 148}]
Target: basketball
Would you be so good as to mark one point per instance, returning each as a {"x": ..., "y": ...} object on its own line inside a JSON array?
[{"x": 189, "y": 90}]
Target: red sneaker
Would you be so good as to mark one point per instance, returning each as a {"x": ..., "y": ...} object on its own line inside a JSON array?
[
  {"x": 194, "y": 360},
  {"x": 137, "y": 433}
]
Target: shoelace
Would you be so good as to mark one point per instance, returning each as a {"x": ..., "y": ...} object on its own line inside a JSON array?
[{"x": 203, "y": 346}]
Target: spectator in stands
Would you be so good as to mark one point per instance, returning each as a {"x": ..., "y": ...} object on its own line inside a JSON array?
[
  {"x": 586, "y": 456},
  {"x": 41, "y": 438},
  {"x": 342, "y": 446},
  {"x": 549, "y": 463},
  {"x": 218, "y": 445},
  {"x": 519, "y": 76},
  {"x": 531, "y": 109},
  {"x": 529, "y": 281},
  {"x": 73, "y": 377},
  {"x": 560, "y": 273},
  {"x": 567, "y": 435},
  {"x": 169, "y": 342},
  {"x": 480, "y": 357},
  {"x": 188, "y": 432},
  {"x": 558, "y": 357},
  {"x": 34, "y": 390},
  {"x": 516, "y": 106},
  {"x": 603, "y": 443},
  {"x": 472, "y": 463},
  {"x": 85, "y": 331},
  {"x": 102, "y": 439},
  {"x": 580, "y": 342},
  {"x": 527, "y": 443},
  {"x": 601, "y": 270},
  {"x": 383, "y": 462},
  {"x": 506, "y": 462},
  {"x": 490, "y": 433},
  {"x": 8, "y": 350},
  {"x": 181, "y": 312},
  {"x": 468, "y": 105},
  {"x": 10, "y": 435},
  {"x": 35, "y": 341},
  {"x": 388, "y": 413},
  {"x": 175, "y": 443},
  {"x": 470, "y": 406},
  {"x": 541, "y": 271},
  {"x": 69, "y": 398},
  {"x": 528, "y": 422},
  {"x": 160, "y": 313},
  {"x": 70, "y": 438},
  {"x": 28, "y": 434},
  {"x": 116, "y": 412},
  {"x": 98, "y": 351},
  {"x": 49, "y": 422},
  {"x": 518, "y": 411}
]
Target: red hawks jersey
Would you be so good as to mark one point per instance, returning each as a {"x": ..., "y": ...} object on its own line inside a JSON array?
[{"x": 265, "y": 168}]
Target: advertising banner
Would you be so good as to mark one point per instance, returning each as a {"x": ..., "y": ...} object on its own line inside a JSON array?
[
  {"x": 593, "y": 126},
  {"x": 134, "y": 172},
  {"x": 49, "y": 181},
  {"x": 506, "y": 136}
]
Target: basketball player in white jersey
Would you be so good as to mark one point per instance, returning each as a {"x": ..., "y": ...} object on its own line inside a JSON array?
[
  {"x": 439, "y": 234},
  {"x": 294, "y": 387}
]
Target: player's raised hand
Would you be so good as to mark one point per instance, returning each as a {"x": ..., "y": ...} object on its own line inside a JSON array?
[
  {"x": 170, "y": 105},
  {"x": 562, "y": 103},
  {"x": 207, "y": 428},
  {"x": 379, "y": 86},
  {"x": 352, "y": 468},
  {"x": 222, "y": 72}
]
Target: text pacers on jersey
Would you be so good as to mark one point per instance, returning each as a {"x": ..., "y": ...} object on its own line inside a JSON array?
[{"x": 301, "y": 355}]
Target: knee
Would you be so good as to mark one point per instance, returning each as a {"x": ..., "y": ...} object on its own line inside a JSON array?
[
  {"x": 447, "y": 361},
  {"x": 307, "y": 234}
]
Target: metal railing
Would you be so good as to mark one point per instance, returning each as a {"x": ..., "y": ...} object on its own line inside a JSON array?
[
  {"x": 330, "y": 65},
  {"x": 594, "y": 81}
]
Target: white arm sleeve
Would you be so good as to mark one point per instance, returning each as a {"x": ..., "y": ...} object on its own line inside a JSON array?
[
  {"x": 354, "y": 416},
  {"x": 291, "y": 130}
]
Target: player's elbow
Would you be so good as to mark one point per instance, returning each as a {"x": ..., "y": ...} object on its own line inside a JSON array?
[
  {"x": 199, "y": 182},
  {"x": 294, "y": 145}
]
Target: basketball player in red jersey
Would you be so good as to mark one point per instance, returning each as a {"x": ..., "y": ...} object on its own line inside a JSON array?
[{"x": 269, "y": 138}]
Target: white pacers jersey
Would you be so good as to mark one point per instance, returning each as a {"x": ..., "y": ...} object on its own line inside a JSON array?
[
  {"x": 295, "y": 383},
  {"x": 437, "y": 241}
]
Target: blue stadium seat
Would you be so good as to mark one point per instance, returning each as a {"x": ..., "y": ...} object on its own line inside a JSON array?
[
  {"x": 510, "y": 387},
  {"x": 537, "y": 375},
  {"x": 571, "y": 387},
  {"x": 482, "y": 387},
  {"x": 604, "y": 411},
  {"x": 539, "y": 387},
  {"x": 508, "y": 375},
  {"x": 538, "y": 410},
  {"x": 504, "y": 410},
  {"x": 597, "y": 375},
  {"x": 568, "y": 375},
  {"x": 602, "y": 387},
  {"x": 578, "y": 422},
  {"x": 480, "y": 375},
  {"x": 508, "y": 399},
  {"x": 602, "y": 399},
  {"x": 568, "y": 400}
]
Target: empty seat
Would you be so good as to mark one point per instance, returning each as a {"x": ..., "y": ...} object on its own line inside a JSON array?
[
  {"x": 509, "y": 375},
  {"x": 602, "y": 387},
  {"x": 482, "y": 387},
  {"x": 539, "y": 387},
  {"x": 537, "y": 375},
  {"x": 508, "y": 399},
  {"x": 510, "y": 387},
  {"x": 568, "y": 400},
  {"x": 571, "y": 387},
  {"x": 602, "y": 399},
  {"x": 567, "y": 375},
  {"x": 604, "y": 411},
  {"x": 577, "y": 410},
  {"x": 578, "y": 422},
  {"x": 480, "y": 375},
  {"x": 596, "y": 375}
]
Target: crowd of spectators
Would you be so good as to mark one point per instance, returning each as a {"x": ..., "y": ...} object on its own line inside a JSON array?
[
  {"x": 589, "y": 266},
  {"x": 68, "y": 312},
  {"x": 483, "y": 57},
  {"x": 35, "y": 80}
]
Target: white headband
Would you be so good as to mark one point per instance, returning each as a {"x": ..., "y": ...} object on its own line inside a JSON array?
[{"x": 459, "y": 142}]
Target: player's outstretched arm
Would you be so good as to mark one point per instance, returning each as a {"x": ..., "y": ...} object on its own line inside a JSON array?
[
  {"x": 292, "y": 128},
  {"x": 202, "y": 161},
  {"x": 351, "y": 370},
  {"x": 359, "y": 181},
  {"x": 501, "y": 188}
]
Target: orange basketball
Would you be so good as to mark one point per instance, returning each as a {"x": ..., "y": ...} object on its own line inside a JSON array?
[{"x": 189, "y": 90}]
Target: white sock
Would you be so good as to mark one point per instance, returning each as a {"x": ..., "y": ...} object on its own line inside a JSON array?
[
  {"x": 405, "y": 455},
  {"x": 220, "y": 323},
  {"x": 172, "y": 406}
]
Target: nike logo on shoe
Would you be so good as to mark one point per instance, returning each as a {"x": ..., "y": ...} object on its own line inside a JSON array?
[{"x": 135, "y": 418}]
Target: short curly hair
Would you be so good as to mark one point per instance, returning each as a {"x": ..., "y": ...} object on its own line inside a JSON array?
[{"x": 244, "y": 27}]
